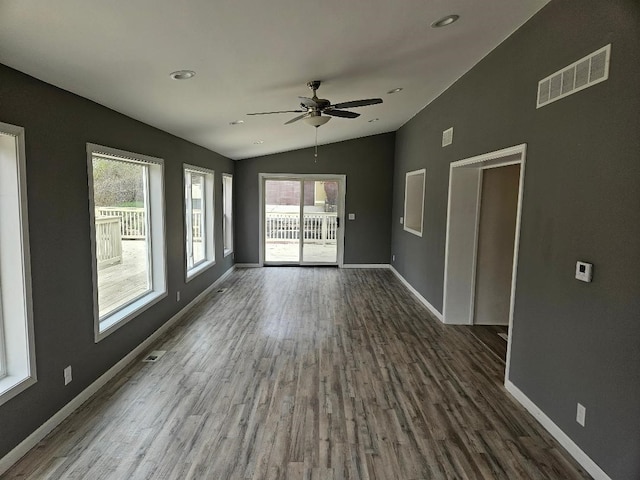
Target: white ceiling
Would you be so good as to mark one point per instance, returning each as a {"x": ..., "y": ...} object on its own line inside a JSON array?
[{"x": 253, "y": 56}]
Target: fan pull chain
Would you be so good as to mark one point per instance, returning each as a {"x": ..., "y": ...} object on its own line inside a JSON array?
[{"x": 316, "y": 153}]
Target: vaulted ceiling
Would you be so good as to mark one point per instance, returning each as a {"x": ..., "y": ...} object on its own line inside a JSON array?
[{"x": 254, "y": 56}]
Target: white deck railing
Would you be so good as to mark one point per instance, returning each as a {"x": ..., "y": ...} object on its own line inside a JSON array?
[
  {"x": 133, "y": 223},
  {"x": 108, "y": 241},
  {"x": 318, "y": 227}
]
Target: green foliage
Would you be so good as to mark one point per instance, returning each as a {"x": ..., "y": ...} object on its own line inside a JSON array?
[{"x": 118, "y": 184}]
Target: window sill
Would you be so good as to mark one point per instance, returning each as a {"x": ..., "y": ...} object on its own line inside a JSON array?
[
  {"x": 120, "y": 318},
  {"x": 198, "y": 269},
  {"x": 228, "y": 252},
  {"x": 12, "y": 385}
]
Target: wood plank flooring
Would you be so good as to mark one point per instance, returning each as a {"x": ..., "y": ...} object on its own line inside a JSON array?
[
  {"x": 488, "y": 335},
  {"x": 305, "y": 373}
]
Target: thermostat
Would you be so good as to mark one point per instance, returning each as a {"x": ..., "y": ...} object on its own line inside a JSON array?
[{"x": 584, "y": 271}]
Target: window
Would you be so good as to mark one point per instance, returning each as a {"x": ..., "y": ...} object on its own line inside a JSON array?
[
  {"x": 414, "y": 201},
  {"x": 127, "y": 209},
  {"x": 17, "y": 354},
  {"x": 227, "y": 213},
  {"x": 198, "y": 218}
]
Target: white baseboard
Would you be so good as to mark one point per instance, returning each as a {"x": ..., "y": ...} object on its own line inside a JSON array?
[
  {"x": 247, "y": 265},
  {"x": 563, "y": 439},
  {"x": 365, "y": 265},
  {"x": 433, "y": 310},
  {"x": 32, "y": 440}
]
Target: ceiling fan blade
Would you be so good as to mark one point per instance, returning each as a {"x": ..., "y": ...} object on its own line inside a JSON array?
[
  {"x": 295, "y": 119},
  {"x": 308, "y": 102},
  {"x": 282, "y": 111},
  {"x": 358, "y": 103},
  {"x": 341, "y": 113}
]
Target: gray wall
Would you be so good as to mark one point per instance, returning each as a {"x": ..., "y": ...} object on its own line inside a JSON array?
[
  {"x": 367, "y": 163},
  {"x": 572, "y": 341},
  {"x": 57, "y": 126}
]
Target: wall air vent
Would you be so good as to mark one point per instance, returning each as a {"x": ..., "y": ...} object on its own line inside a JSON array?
[
  {"x": 447, "y": 137},
  {"x": 587, "y": 71}
]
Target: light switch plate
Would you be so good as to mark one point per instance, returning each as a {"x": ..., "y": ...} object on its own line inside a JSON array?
[{"x": 584, "y": 271}]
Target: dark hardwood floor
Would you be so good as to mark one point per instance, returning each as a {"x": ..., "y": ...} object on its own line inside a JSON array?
[
  {"x": 305, "y": 373},
  {"x": 489, "y": 336}
]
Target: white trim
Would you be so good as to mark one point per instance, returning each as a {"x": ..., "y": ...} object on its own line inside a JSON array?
[
  {"x": 433, "y": 310},
  {"x": 516, "y": 251},
  {"x": 207, "y": 226},
  {"x": 156, "y": 232},
  {"x": 563, "y": 439},
  {"x": 122, "y": 155},
  {"x": 422, "y": 172},
  {"x": 226, "y": 251},
  {"x": 19, "y": 360},
  {"x": 248, "y": 265},
  {"x": 482, "y": 162},
  {"x": 496, "y": 155},
  {"x": 32, "y": 440},
  {"x": 476, "y": 237},
  {"x": 366, "y": 265}
]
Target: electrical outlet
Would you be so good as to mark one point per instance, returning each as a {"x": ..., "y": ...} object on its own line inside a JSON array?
[
  {"x": 581, "y": 414},
  {"x": 401, "y": 220},
  {"x": 67, "y": 375},
  {"x": 178, "y": 296},
  {"x": 393, "y": 258}
]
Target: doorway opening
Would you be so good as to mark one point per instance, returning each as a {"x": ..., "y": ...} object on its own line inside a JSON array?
[
  {"x": 481, "y": 253},
  {"x": 301, "y": 219}
]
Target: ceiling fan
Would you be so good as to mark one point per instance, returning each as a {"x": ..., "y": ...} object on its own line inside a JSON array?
[{"x": 313, "y": 108}]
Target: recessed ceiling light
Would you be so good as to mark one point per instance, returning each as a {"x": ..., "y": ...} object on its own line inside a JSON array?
[
  {"x": 236, "y": 122},
  {"x": 445, "y": 21},
  {"x": 258, "y": 142},
  {"x": 395, "y": 90},
  {"x": 373, "y": 120},
  {"x": 182, "y": 74}
]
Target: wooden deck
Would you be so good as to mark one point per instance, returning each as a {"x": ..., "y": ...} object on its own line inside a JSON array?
[
  {"x": 117, "y": 284},
  {"x": 290, "y": 252},
  {"x": 305, "y": 373}
]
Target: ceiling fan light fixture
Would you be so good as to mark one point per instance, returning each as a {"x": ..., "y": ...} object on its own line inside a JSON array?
[
  {"x": 182, "y": 74},
  {"x": 445, "y": 21},
  {"x": 316, "y": 120}
]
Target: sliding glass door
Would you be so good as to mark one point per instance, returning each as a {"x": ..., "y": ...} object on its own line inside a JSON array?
[{"x": 301, "y": 220}]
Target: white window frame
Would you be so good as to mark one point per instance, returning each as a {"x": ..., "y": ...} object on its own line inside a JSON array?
[
  {"x": 227, "y": 213},
  {"x": 156, "y": 231},
  {"x": 207, "y": 218},
  {"x": 411, "y": 202},
  {"x": 17, "y": 350}
]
